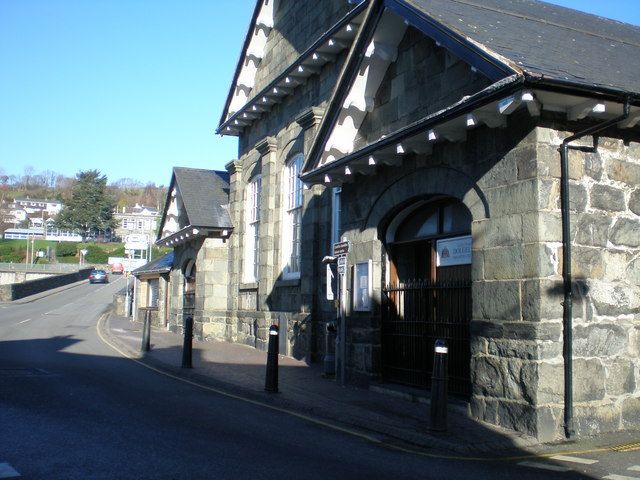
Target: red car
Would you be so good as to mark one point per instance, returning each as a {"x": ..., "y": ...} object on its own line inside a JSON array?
[{"x": 117, "y": 268}]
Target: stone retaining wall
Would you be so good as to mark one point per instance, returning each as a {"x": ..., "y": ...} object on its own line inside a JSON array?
[
  {"x": 16, "y": 291},
  {"x": 7, "y": 278}
]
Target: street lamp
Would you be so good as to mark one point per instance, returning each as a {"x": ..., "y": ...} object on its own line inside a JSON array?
[{"x": 83, "y": 252}]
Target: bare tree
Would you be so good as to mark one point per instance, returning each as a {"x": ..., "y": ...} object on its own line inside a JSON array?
[
  {"x": 51, "y": 178},
  {"x": 27, "y": 176},
  {"x": 64, "y": 186}
]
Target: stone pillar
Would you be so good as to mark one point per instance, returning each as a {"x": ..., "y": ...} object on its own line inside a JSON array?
[
  {"x": 236, "y": 197},
  {"x": 270, "y": 211},
  {"x": 516, "y": 314},
  {"x": 216, "y": 280},
  {"x": 164, "y": 300},
  {"x": 309, "y": 120}
]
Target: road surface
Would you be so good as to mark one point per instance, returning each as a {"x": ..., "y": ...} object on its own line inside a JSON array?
[{"x": 72, "y": 408}]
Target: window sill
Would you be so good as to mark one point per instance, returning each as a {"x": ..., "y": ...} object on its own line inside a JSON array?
[{"x": 248, "y": 286}]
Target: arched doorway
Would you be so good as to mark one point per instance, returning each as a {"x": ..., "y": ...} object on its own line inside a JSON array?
[
  {"x": 428, "y": 294},
  {"x": 189, "y": 289}
]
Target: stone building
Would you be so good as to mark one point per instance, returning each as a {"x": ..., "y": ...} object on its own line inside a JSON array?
[
  {"x": 137, "y": 220},
  {"x": 481, "y": 166},
  {"x": 151, "y": 292},
  {"x": 289, "y": 65},
  {"x": 196, "y": 224}
]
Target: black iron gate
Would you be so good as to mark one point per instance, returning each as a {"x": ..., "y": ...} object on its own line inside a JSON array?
[{"x": 414, "y": 315}]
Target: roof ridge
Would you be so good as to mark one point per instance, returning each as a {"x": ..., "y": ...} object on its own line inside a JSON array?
[
  {"x": 201, "y": 169},
  {"x": 547, "y": 22}
]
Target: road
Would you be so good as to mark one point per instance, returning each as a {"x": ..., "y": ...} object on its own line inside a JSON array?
[{"x": 72, "y": 408}]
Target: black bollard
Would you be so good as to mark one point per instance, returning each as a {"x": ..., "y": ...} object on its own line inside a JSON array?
[
  {"x": 187, "y": 345},
  {"x": 439, "y": 388},
  {"x": 271, "y": 383},
  {"x": 329, "y": 361},
  {"x": 146, "y": 332}
]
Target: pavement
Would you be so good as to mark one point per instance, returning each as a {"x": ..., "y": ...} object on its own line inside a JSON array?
[{"x": 382, "y": 414}]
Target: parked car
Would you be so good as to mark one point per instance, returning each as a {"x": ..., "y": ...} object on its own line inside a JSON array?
[
  {"x": 117, "y": 268},
  {"x": 98, "y": 276}
]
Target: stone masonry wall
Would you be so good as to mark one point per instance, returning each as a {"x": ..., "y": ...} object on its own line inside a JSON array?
[
  {"x": 254, "y": 305},
  {"x": 16, "y": 291},
  {"x": 424, "y": 79},
  {"x": 298, "y": 24},
  {"x": 264, "y": 149},
  {"x": 482, "y": 173},
  {"x": 605, "y": 216},
  {"x": 509, "y": 180},
  {"x": 212, "y": 268},
  {"x": 159, "y": 314}
]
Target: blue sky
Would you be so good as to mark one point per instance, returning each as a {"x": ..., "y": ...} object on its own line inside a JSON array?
[{"x": 131, "y": 88}]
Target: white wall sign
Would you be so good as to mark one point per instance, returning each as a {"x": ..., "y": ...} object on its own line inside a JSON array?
[
  {"x": 454, "y": 251},
  {"x": 136, "y": 246},
  {"x": 136, "y": 238},
  {"x": 330, "y": 283},
  {"x": 362, "y": 287}
]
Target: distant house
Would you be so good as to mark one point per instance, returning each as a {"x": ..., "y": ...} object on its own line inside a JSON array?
[
  {"x": 34, "y": 210},
  {"x": 18, "y": 215},
  {"x": 34, "y": 205},
  {"x": 41, "y": 233},
  {"x": 138, "y": 220},
  {"x": 24, "y": 233}
]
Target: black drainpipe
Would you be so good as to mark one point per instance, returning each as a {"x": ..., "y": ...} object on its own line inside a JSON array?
[{"x": 567, "y": 315}]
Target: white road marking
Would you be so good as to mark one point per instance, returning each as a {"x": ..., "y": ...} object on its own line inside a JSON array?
[
  {"x": 565, "y": 458},
  {"x": 613, "y": 476},
  {"x": 24, "y": 321},
  {"x": 7, "y": 471},
  {"x": 634, "y": 468},
  {"x": 545, "y": 466}
]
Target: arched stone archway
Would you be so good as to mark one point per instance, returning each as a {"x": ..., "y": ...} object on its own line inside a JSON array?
[
  {"x": 427, "y": 242},
  {"x": 427, "y": 182},
  {"x": 189, "y": 288}
]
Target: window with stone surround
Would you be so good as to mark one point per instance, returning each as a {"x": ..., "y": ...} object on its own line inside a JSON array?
[
  {"x": 335, "y": 216},
  {"x": 292, "y": 218},
  {"x": 153, "y": 292},
  {"x": 252, "y": 231}
]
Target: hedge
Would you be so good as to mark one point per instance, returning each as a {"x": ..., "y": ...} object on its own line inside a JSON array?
[{"x": 66, "y": 249}]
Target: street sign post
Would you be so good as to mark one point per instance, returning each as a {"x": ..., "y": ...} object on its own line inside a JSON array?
[
  {"x": 340, "y": 248},
  {"x": 342, "y": 264}
]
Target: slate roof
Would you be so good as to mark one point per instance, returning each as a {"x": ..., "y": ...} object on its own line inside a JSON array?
[
  {"x": 159, "y": 265},
  {"x": 547, "y": 40},
  {"x": 205, "y": 195}
]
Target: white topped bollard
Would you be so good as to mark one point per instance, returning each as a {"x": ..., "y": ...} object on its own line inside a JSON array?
[
  {"x": 271, "y": 382},
  {"x": 439, "y": 387}
]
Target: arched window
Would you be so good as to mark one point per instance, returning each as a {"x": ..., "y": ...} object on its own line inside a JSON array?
[
  {"x": 415, "y": 234},
  {"x": 434, "y": 219},
  {"x": 189, "y": 292},
  {"x": 292, "y": 222}
]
